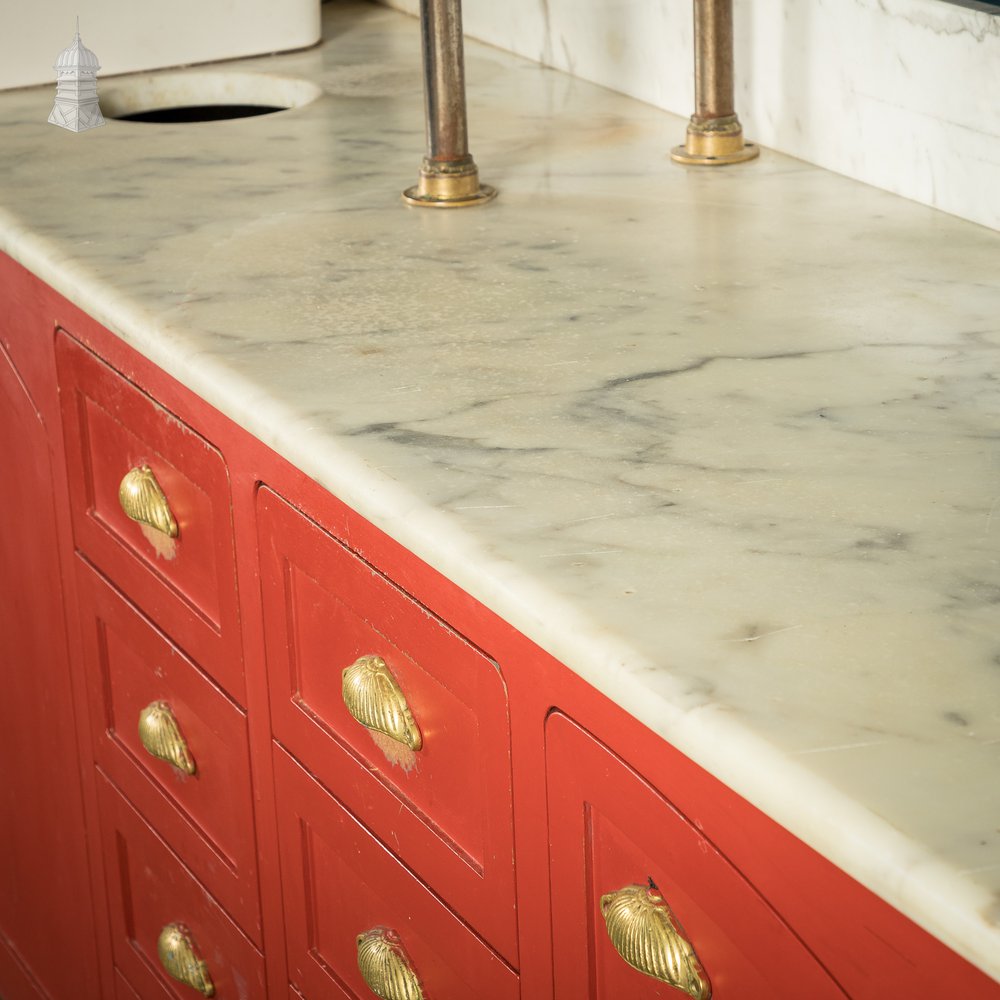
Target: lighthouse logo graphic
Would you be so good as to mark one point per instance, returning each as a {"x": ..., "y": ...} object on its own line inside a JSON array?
[{"x": 76, "y": 107}]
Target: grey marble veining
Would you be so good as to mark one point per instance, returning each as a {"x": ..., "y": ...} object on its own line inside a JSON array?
[{"x": 726, "y": 443}]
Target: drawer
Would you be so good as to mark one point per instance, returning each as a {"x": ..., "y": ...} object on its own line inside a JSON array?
[
  {"x": 152, "y": 895},
  {"x": 340, "y": 884},
  {"x": 206, "y": 816},
  {"x": 624, "y": 862},
  {"x": 187, "y": 583},
  {"x": 446, "y": 807}
]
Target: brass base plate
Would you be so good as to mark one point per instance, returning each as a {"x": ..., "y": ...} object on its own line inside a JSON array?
[
  {"x": 485, "y": 193},
  {"x": 680, "y": 154}
]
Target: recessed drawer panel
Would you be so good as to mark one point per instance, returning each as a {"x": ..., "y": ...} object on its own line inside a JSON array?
[
  {"x": 341, "y": 885},
  {"x": 162, "y": 917},
  {"x": 123, "y": 991},
  {"x": 439, "y": 788},
  {"x": 639, "y": 894},
  {"x": 174, "y": 743},
  {"x": 182, "y": 570}
]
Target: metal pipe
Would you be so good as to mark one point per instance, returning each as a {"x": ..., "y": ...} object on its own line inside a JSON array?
[
  {"x": 713, "y": 60},
  {"x": 714, "y": 134},
  {"x": 449, "y": 177},
  {"x": 444, "y": 69}
]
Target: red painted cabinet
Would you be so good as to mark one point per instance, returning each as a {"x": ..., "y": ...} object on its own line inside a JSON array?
[
  {"x": 186, "y": 582},
  {"x": 643, "y": 903},
  {"x": 164, "y": 925},
  {"x": 342, "y": 885},
  {"x": 47, "y": 945},
  {"x": 202, "y": 801},
  {"x": 284, "y": 757},
  {"x": 443, "y": 807},
  {"x": 160, "y": 650}
]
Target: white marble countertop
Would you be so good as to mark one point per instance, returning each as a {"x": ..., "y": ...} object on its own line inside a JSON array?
[{"x": 725, "y": 443}]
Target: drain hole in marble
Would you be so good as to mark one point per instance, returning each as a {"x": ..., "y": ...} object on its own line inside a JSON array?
[
  {"x": 201, "y": 113},
  {"x": 169, "y": 98}
]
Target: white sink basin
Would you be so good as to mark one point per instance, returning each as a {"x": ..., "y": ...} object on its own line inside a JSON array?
[{"x": 129, "y": 36}]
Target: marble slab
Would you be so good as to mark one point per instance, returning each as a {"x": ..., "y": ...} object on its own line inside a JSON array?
[{"x": 725, "y": 443}]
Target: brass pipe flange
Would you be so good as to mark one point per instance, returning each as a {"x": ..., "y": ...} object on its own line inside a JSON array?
[
  {"x": 449, "y": 185},
  {"x": 716, "y": 142}
]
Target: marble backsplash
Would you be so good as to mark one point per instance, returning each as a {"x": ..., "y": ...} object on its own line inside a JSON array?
[{"x": 900, "y": 94}]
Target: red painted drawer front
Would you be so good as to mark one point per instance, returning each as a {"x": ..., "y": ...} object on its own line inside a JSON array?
[
  {"x": 610, "y": 829},
  {"x": 340, "y": 882},
  {"x": 123, "y": 991},
  {"x": 112, "y": 427},
  {"x": 206, "y": 817},
  {"x": 446, "y": 808},
  {"x": 149, "y": 888}
]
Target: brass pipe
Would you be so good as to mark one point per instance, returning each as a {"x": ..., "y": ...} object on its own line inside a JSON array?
[
  {"x": 714, "y": 133},
  {"x": 444, "y": 93},
  {"x": 713, "y": 60},
  {"x": 449, "y": 177}
]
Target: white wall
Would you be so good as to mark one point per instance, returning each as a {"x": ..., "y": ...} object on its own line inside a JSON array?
[{"x": 902, "y": 94}]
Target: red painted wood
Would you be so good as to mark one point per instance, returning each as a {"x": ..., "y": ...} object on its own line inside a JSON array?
[
  {"x": 112, "y": 427},
  {"x": 341, "y": 882},
  {"x": 123, "y": 991},
  {"x": 250, "y": 460},
  {"x": 207, "y": 817},
  {"x": 610, "y": 829},
  {"x": 261, "y": 757},
  {"x": 150, "y": 888},
  {"x": 324, "y": 607},
  {"x": 45, "y": 901},
  {"x": 15, "y": 979}
]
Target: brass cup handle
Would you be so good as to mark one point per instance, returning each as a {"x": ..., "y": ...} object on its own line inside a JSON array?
[
  {"x": 160, "y": 735},
  {"x": 142, "y": 499},
  {"x": 373, "y": 697},
  {"x": 385, "y": 967},
  {"x": 179, "y": 956},
  {"x": 645, "y": 932}
]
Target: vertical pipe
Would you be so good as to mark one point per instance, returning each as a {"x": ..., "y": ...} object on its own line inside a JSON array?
[
  {"x": 444, "y": 90},
  {"x": 714, "y": 133},
  {"x": 449, "y": 177},
  {"x": 713, "y": 60}
]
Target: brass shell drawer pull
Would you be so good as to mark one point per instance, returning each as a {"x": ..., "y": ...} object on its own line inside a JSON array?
[
  {"x": 645, "y": 932},
  {"x": 161, "y": 737},
  {"x": 373, "y": 697},
  {"x": 179, "y": 957},
  {"x": 143, "y": 500},
  {"x": 385, "y": 966}
]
